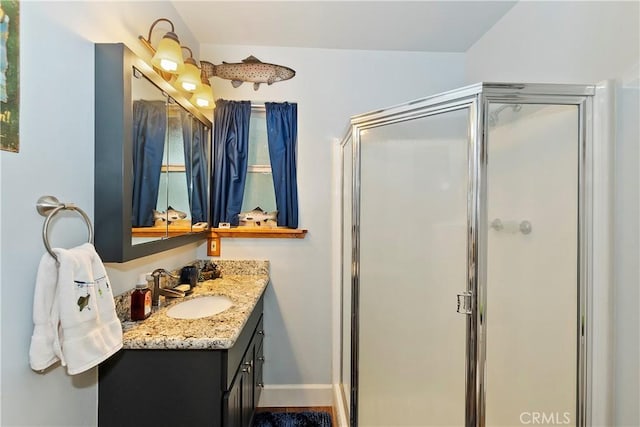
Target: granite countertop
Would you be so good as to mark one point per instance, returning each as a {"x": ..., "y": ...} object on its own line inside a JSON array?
[{"x": 219, "y": 331}]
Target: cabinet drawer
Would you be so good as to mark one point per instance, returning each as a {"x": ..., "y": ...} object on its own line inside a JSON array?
[
  {"x": 257, "y": 378},
  {"x": 259, "y": 336}
]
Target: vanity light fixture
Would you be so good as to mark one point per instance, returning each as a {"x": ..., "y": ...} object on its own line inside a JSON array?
[
  {"x": 189, "y": 79},
  {"x": 168, "y": 56},
  {"x": 168, "y": 63},
  {"x": 203, "y": 96}
]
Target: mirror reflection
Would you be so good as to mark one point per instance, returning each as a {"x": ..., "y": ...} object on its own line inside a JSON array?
[
  {"x": 172, "y": 207},
  {"x": 170, "y": 152}
]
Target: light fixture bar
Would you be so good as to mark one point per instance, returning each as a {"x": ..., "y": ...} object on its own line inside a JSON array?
[{"x": 185, "y": 74}]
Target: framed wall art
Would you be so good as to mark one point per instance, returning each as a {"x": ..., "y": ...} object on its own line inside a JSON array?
[{"x": 9, "y": 75}]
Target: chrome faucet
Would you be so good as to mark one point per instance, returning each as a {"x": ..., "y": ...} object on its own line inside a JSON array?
[{"x": 166, "y": 292}]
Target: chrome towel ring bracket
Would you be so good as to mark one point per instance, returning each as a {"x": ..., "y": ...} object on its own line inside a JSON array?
[{"x": 49, "y": 206}]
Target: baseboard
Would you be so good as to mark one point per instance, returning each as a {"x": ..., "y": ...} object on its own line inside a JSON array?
[
  {"x": 339, "y": 411},
  {"x": 296, "y": 395}
]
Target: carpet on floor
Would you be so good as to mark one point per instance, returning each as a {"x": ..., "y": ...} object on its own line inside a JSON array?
[{"x": 292, "y": 419}]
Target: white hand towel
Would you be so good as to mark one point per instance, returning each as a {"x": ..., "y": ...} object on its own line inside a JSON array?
[{"x": 81, "y": 327}]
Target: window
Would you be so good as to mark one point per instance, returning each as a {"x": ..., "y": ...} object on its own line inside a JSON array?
[
  {"x": 238, "y": 125},
  {"x": 258, "y": 188},
  {"x": 231, "y": 160}
]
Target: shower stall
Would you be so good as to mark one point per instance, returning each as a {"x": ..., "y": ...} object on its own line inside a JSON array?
[{"x": 466, "y": 230}]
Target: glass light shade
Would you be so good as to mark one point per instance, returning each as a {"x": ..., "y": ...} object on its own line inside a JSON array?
[
  {"x": 189, "y": 79},
  {"x": 168, "y": 56},
  {"x": 203, "y": 96}
]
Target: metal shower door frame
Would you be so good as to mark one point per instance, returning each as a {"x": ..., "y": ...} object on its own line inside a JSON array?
[
  {"x": 580, "y": 96},
  {"x": 476, "y": 99},
  {"x": 461, "y": 99}
]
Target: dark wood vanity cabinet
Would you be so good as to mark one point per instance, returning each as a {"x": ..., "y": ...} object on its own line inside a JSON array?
[{"x": 184, "y": 387}]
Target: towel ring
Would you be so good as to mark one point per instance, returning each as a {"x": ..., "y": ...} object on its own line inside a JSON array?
[{"x": 49, "y": 206}]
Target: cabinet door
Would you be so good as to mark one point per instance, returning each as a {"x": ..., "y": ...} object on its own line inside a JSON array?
[
  {"x": 246, "y": 372},
  {"x": 116, "y": 90},
  {"x": 232, "y": 405}
]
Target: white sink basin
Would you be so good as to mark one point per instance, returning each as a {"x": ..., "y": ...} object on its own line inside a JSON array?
[{"x": 200, "y": 307}]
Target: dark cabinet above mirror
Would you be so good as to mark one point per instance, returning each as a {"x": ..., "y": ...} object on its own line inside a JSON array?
[{"x": 152, "y": 160}]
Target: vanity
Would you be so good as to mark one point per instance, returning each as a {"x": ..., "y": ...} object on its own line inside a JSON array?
[{"x": 191, "y": 372}]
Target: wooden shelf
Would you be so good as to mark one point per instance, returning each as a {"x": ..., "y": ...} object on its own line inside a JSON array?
[
  {"x": 177, "y": 228},
  {"x": 258, "y": 232},
  {"x": 215, "y": 234}
]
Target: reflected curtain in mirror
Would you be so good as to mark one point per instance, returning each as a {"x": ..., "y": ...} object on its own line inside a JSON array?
[
  {"x": 149, "y": 130},
  {"x": 186, "y": 124},
  {"x": 230, "y": 144},
  {"x": 197, "y": 167},
  {"x": 282, "y": 134}
]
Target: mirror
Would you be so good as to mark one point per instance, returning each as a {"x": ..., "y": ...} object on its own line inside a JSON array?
[
  {"x": 161, "y": 199},
  {"x": 163, "y": 139}
]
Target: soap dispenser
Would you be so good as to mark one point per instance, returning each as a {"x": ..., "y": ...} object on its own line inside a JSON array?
[{"x": 141, "y": 299}]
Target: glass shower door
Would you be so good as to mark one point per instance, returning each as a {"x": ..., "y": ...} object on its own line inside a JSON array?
[
  {"x": 532, "y": 264},
  {"x": 412, "y": 263}
]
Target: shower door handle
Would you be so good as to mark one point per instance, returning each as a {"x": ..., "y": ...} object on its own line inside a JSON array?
[{"x": 464, "y": 303}]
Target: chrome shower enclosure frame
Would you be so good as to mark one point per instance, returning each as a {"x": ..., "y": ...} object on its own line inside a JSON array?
[{"x": 476, "y": 99}]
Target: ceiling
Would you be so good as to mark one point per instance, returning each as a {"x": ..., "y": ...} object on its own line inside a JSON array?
[{"x": 430, "y": 26}]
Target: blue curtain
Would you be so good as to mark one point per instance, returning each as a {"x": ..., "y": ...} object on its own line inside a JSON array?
[
  {"x": 198, "y": 171},
  {"x": 149, "y": 131},
  {"x": 230, "y": 144},
  {"x": 187, "y": 122},
  {"x": 282, "y": 134}
]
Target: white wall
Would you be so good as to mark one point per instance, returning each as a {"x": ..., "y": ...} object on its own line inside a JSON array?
[
  {"x": 558, "y": 42},
  {"x": 56, "y": 157},
  {"x": 586, "y": 42},
  {"x": 329, "y": 87},
  {"x": 627, "y": 255}
]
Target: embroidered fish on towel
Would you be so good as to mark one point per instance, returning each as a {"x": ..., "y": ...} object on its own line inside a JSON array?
[
  {"x": 84, "y": 302},
  {"x": 251, "y": 69}
]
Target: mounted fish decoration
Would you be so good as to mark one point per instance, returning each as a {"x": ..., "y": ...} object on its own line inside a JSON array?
[
  {"x": 251, "y": 69},
  {"x": 258, "y": 218}
]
